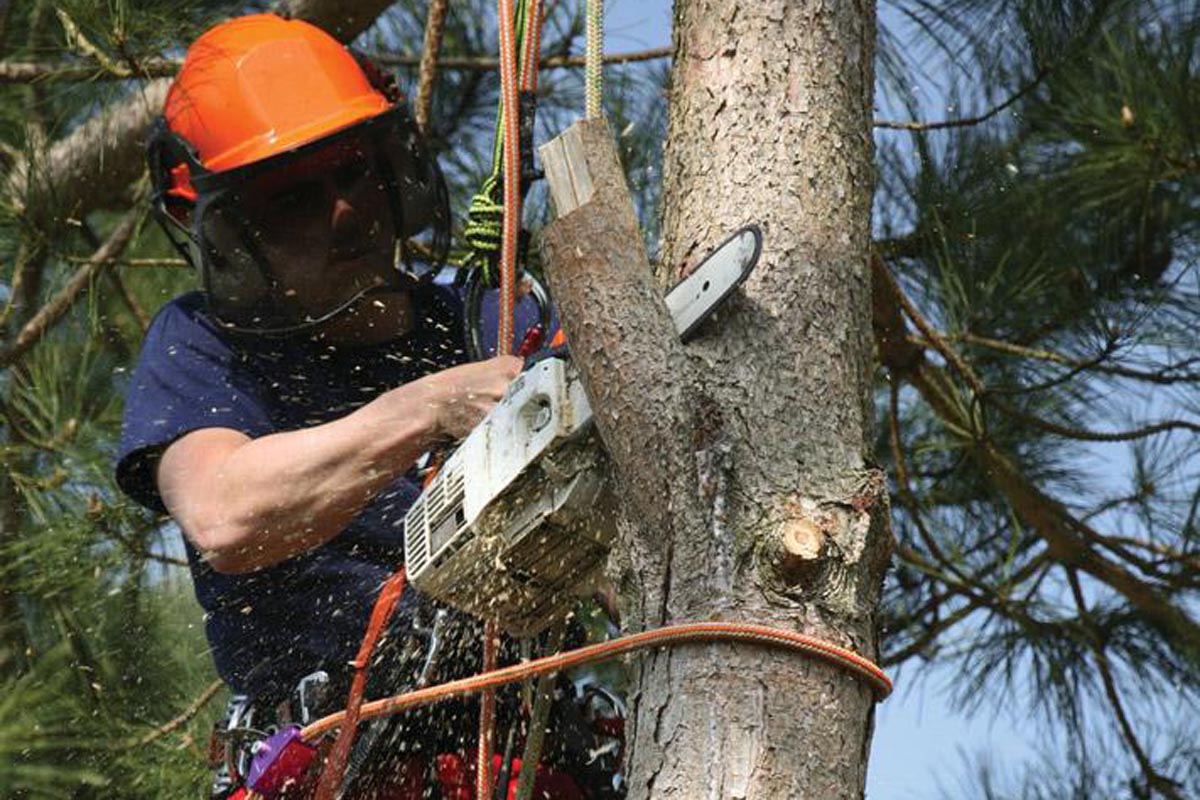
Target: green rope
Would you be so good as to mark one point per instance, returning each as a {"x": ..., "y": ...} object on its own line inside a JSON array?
[{"x": 485, "y": 217}]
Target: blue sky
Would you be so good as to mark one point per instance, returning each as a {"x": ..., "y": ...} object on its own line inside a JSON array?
[{"x": 921, "y": 743}]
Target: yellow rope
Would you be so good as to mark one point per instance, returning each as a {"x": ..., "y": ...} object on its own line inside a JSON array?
[
  {"x": 593, "y": 75},
  {"x": 435, "y": 26}
]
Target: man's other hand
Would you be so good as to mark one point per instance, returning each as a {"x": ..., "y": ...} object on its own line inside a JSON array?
[{"x": 463, "y": 395}]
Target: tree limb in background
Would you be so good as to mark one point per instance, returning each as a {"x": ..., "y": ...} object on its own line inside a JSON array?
[
  {"x": 1095, "y": 638},
  {"x": 178, "y": 722},
  {"x": 966, "y": 121},
  {"x": 58, "y": 71},
  {"x": 345, "y": 19},
  {"x": 1166, "y": 374},
  {"x": 89, "y": 168},
  {"x": 1067, "y": 538},
  {"x": 75, "y": 288}
]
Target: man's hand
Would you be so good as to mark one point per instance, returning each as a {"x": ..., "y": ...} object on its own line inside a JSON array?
[{"x": 463, "y": 395}]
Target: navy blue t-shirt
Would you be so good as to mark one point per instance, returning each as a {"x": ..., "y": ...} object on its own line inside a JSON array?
[{"x": 270, "y": 627}]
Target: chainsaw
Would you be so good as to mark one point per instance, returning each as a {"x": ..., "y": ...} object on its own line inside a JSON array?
[{"x": 520, "y": 518}]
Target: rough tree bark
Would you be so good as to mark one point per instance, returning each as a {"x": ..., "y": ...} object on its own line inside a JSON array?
[{"x": 743, "y": 456}]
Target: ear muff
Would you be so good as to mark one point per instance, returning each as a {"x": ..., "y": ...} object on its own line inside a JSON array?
[
  {"x": 420, "y": 200},
  {"x": 421, "y": 204},
  {"x": 171, "y": 164}
]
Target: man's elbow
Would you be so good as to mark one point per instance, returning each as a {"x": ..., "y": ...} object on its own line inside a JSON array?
[
  {"x": 226, "y": 548},
  {"x": 230, "y": 562}
]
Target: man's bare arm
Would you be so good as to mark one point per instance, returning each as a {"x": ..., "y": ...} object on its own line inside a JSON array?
[{"x": 250, "y": 503}]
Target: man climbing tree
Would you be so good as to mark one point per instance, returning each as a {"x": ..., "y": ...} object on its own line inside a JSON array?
[
  {"x": 278, "y": 415},
  {"x": 249, "y": 420}
]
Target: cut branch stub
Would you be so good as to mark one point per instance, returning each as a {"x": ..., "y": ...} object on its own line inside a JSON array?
[
  {"x": 816, "y": 544},
  {"x": 623, "y": 342},
  {"x": 801, "y": 543},
  {"x": 568, "y": 173}
]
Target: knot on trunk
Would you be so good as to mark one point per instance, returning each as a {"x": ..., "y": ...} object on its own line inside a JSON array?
[{"x": 815, "y": 547}]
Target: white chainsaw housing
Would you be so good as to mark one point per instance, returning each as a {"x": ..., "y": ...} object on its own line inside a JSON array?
[{"x": 519, "y": 519}]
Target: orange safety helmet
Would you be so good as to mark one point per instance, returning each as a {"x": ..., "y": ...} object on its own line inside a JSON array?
[{"x": 257, "y": 94}]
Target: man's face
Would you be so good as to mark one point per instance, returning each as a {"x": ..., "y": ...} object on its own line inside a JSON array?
[{"x": 324, "y": 226}]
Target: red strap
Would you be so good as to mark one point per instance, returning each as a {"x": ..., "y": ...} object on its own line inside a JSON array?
[
  {"x": 339, "y": 755},
  {"x": 531, "y": 342}
]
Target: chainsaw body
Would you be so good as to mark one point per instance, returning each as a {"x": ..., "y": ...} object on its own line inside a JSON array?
[{"x": 521, "y": 516}]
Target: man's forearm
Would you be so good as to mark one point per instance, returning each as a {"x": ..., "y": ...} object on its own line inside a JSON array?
[{"x": 264, "y": 500}]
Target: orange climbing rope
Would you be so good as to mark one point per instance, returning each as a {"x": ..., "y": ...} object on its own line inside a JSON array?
[
  {"x": 674, "y": 635},
  {"x": 511, "y": 221},
  {"x": 335, "y": 764}
]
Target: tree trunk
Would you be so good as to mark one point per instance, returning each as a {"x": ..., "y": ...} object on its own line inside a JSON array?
[{"x": 744, "y": 456}]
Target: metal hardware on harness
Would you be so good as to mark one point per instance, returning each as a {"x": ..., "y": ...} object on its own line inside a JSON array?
[
  {"x": 234, "y": 739},
  {"x": 311, "y": 692}
]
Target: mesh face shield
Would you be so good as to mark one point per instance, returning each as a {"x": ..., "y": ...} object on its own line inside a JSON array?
[{"x": 288, "y": 242}]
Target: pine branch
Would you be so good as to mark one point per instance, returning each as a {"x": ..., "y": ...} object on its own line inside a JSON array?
[
  {"x": 138, "y": 551},
  {"x": 1187, "y": 561},
  {"x": 1084, "y": 435},
  {"x": 184, "y": 717},
  {"x": 892, "y": 289},
  {"x": 1160, "y": 376},
  {"x": 79, "y": 41},
  {"x": 966, "y": 122},
  {"x": 1165, "y": 786},
  {"x": 982, "y": 393},
  {"x": 131, "y": 303},
  {"x": 345, "y": 19},
  {"x": 929, "y": 634},
  {"x": 75, "y": 288},
  {"x": 142, "y": 263},
  {"x": 68, "y": 72},
  {"x": 26, "y": 278},
  {"x": 1065, "y": 536},
  {"x": 90, "y": 167}
]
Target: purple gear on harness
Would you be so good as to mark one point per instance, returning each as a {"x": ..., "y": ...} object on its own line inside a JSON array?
[{"x": 281, "y": 763}]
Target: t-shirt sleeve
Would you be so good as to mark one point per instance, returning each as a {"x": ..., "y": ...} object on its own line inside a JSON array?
[{"x": 186, "y": 378}]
